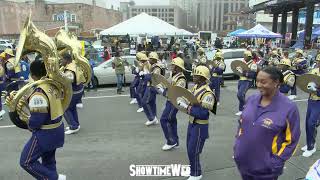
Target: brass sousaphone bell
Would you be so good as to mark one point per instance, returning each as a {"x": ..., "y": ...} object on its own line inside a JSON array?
[
  {"x": 304, "y": 80},
  {"x": 238, "y": 63},
  {"x": 176, "y": 92},
  {"x": 157, "y": 79}
]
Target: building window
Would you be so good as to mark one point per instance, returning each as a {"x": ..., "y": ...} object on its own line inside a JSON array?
[
  {"x": 225, "y": 27},
  {"x": 154, "y": 10},
  {"x": 171, "y": 15},
  {"x": 171, "y": 19},
  {"x": 226, "y": 8},
  {"x": 171, "y": 10},
  {"x": 54, "y": 17},
  {"x": 73, "y": 18}
]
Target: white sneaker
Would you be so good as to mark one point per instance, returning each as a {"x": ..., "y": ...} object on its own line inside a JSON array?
[
  {"x": 80, "y": 105},
  {"x": 2, "y": 112},
  {"x": 154, "y": 121},
  {"x": 195, "y": 177},
  {"x": 140, "y": 110},
  {"x": 292, "y": 97},
  {"x": 309, "y": 153},
  {"x": 62, "y": 177},
  {"x": 70, "y": 131},
  {"x": 67, "y": 128},
  {"x": 167, "y": 147},
  {"x": 304, "y": 148},
  {"x": 239, "y": 113},
  {"x": 134, "y": 101}
]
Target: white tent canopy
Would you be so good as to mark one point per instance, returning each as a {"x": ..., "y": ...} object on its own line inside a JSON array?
[{"x": 144, "y": 24}]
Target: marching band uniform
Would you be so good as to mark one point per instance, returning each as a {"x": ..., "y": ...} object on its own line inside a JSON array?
[
  {"x": 313, "y": 115},
  {"x": 245, "y": 81},
  {"x": 272, "y": 131},
  {"x": 134, "y": 84},
  {"x": 2, "y": 82},
  {"x": 12, "y": 73},
  {"x": 274, "y": 60},
  {"x": 142, "y": 85},
  {"x": 198, "y": 120},
  {"x": 47, "y": 129},
  {"x": 168, "y": 118},
  {"x": 77, "y": 79},
  {"x": 300, "y": 66},
  {"x": 201, "y": 59},
  {"x": 288, "y": 76},
  {"x": 216, "y": 74},
  {"x": 149, "y": 97}
]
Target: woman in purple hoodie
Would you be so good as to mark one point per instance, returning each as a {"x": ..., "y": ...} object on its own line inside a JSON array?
[{"x": 269, "y": 130}]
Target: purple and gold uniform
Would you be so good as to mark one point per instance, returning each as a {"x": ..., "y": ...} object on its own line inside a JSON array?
[
  {"x": 168, "y": 118},
  {"x": 299, "y": 67},
  {"x": 272, "y": 131},
  {"x": 313, "y": 115},
  {"x": 12, "y": 73},
  {"x": 216, "y": 75},
  {"x": 150, "y": 94},
  {"x": 198, "y": 125},
  {"x": 134, "y": 84},
  {"x": 77, "y": 79},
  {"x": 47, "y": 129},
  {"x": 245, "y": 82},
  {"x": 288, "y": 82}
]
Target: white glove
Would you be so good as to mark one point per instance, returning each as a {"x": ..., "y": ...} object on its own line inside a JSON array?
[
  {"x": 312, "y": 86},
  {"x": 137, "y": 70},
  {"x": 239, "y": 69},
  {"x": 141, "y": 73},
  {"x": 182, "y": 103},
  {"x": 160, "y": 89}
]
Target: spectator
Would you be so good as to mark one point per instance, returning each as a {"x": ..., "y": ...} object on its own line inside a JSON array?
[{"x": 119, "y": 65}]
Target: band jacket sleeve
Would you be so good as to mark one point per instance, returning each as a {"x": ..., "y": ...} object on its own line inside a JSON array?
[
  {"x": 207, "y": 104},
  {"x": 38, "y": 104},
  {"x": 292, "y": 134},
  {"x": 285, "y": 88}
]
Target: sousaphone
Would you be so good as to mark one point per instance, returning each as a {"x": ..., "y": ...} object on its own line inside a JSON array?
[
  {"x": 304, "y": 80},
  {"x": 238, "y": 63},
  {"x": 176, "y": 92}
]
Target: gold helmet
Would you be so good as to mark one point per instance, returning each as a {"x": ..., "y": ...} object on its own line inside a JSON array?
[
  {"x": 153, "y": 56},
  {"x": 9, "y": 51},
  {"x": 247, "y": 54},
  {"x": 274, "y": 53},
  {"x": 139, "y": 55},
  {"x": 178, "y": 62},
  {"x": 143, "y": 57},
  {"x": 299, "y": 51},
  {"x": 3, "y": 55},
  {"x": 218, "y": 55},
  {"x": 202, "y": 71},
  {"x": 285, "y": 62},
  {"x": 200, "y": 50}
]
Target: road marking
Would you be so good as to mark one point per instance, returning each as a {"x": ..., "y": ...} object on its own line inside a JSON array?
[
  {"x": 98, "y": 97},
  {"x": 300, "y": 100},
  {"x": 9, "y": 126}
]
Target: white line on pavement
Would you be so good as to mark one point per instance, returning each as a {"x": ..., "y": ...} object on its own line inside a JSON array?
[
  {"x": 9, "y": 126},
  {"x": 98, "y": 97}
]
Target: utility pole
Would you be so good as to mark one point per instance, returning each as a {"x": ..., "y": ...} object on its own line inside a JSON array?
[{"x": 65, "y": 21}]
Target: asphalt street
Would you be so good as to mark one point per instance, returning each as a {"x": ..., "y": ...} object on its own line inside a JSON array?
[{"x": 113, "y": 136}]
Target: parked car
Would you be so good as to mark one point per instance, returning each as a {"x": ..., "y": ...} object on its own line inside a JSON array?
[
  {"x": 105, "y": 74},
  {"x": 2, "y": 48},
  {"x": 6, "y": 43}
]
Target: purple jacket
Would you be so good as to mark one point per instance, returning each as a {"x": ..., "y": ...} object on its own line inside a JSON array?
[{"x": 267, "y": 136}]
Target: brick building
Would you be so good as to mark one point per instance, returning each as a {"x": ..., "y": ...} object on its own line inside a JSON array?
[{"x": 50, "y": 17}]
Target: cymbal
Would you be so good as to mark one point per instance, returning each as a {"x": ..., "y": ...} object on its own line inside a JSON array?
[
  {"x": 157, "y": 79},
  {"x": 239, "y": 63},
  {"x": 302, "y": 81},
  {"x": 176, "y": 91}
]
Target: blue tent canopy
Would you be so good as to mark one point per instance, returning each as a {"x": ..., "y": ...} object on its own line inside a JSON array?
[
  {"x": 259, "y": 32},
  {"x": 234, "y": 33}
]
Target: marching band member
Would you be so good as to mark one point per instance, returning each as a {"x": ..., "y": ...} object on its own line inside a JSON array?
[
  {"x": 299, "y": 67},
  {"x": 245, "y": 81},
  {"x": 288, "y": 76},
  {"x": 149, "y": 97},
  {"x": 142, "y": 85},
  {"x": 199, "y": 118},
  {"x": 270, "y": 125},
  {"x": 168, "y": 118},
  {"x": 201, "y": 58},
  {"x": 216, "y": 74},
  {"x": 134, "y": 84},
  {"x": 12, "y": 73},
  {"x": 274, "y": 60},
  {"x": 313, "y": 114},
  {"x": 2, "y": 82},
  {"x": 77, "y": 79},
  {"x": 47, "y": 134}
]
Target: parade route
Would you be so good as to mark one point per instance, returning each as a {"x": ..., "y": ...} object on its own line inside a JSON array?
[{"x": 113, "y": 136}]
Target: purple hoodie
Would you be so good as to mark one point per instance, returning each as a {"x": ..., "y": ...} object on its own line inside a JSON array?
[{"x": 267, "y": 136}]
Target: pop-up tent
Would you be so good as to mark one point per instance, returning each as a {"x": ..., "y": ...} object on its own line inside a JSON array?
[
  {"x": 144, "y": 24},
  {"x": 234, "y": 33},
  {"x": 258, "y": 31}
]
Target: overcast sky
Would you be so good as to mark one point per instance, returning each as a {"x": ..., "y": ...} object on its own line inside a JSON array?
[{"x": 108, "y": 3}]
